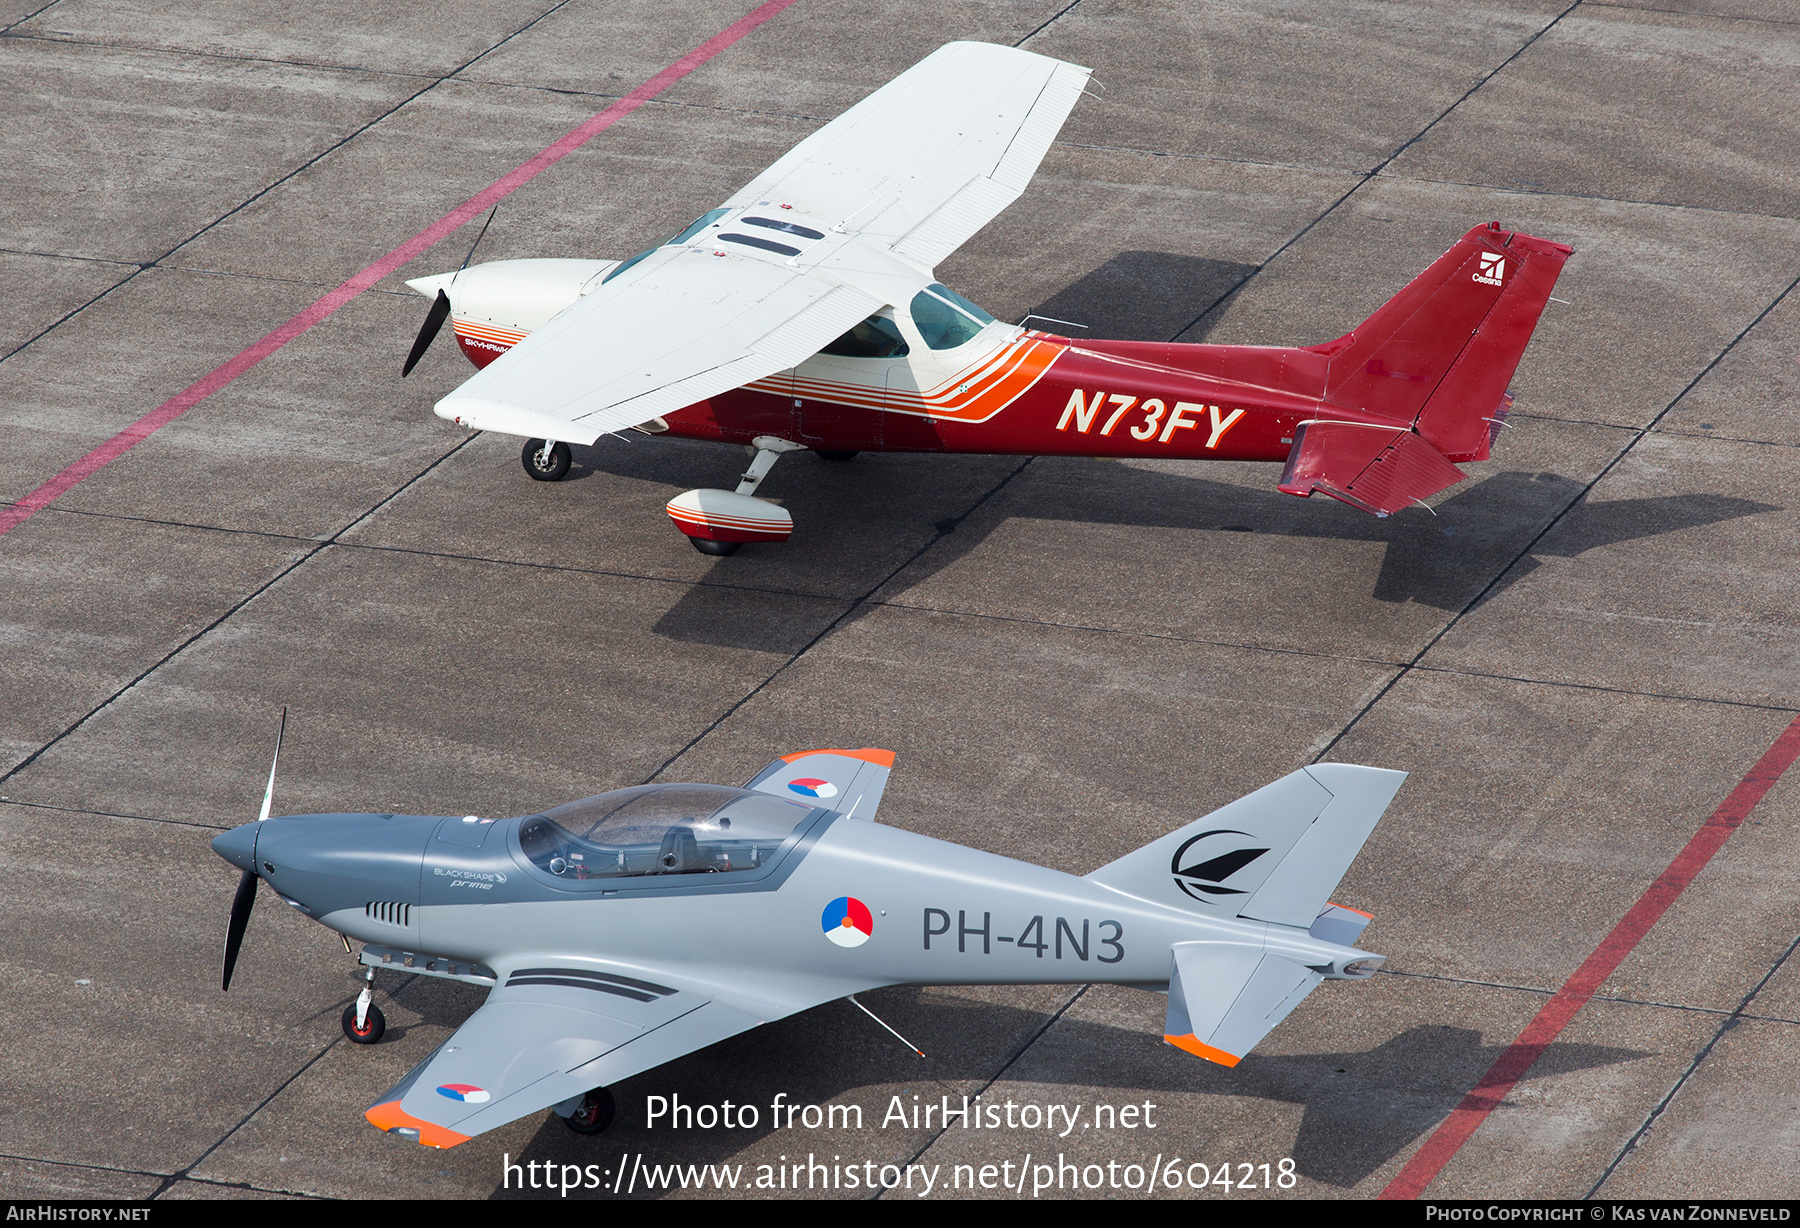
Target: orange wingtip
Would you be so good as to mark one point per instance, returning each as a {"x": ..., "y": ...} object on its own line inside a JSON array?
[
  {"x": 1200, "y": 1049},
  {"x": 1359, "y": 912},
  {"x": 389, "y": 1118},
  {"x": 883, "y": 758}
]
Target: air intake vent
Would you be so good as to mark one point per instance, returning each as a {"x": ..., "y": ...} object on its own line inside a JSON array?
[{"x": 393, "y": 914}]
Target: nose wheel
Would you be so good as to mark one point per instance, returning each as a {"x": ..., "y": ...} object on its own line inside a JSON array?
[
  {"x": 545, "y": 461},
  {"x": 363, "y": 1021},
  {"x": 370, "y": 1030},
  {"x": 594, "y": 1114}
]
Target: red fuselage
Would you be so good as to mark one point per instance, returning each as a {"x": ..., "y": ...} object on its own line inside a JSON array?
[{"x": 1062, "y": 397}]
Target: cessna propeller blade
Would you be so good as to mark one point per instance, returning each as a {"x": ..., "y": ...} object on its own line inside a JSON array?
[
  {"x": 245, "y": 899},
  {"x": 240, "y": 917},
  {"x": 434, "y": 320}
]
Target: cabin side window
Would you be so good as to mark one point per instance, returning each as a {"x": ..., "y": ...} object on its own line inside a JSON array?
[{"x": 945, "y": 319}]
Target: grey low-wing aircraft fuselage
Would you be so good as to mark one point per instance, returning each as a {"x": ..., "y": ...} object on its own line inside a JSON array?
[{"x": 622, "y": 931}]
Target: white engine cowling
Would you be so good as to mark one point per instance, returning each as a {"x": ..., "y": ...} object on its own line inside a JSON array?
[
  {"x": 724, "y": 516},
  {"x": 493, "y": 306}
]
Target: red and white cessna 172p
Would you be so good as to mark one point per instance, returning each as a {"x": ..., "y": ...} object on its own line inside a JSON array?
[{"x": 803, "y": 314}]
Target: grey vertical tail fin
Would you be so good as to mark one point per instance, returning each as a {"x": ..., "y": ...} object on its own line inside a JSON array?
[{"x": 1274, "y": 855}]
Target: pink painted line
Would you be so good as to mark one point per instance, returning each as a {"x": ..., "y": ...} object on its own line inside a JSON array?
[
  {"x": 13, "y": 515},
  {"x": 1538, "y": 1035}
]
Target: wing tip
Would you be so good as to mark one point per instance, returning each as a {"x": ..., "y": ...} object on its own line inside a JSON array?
[
  {"x": 1199, "y": 1048},
  {"x": 869, "y": 754},
  {"x": 390, "y": 1118}
]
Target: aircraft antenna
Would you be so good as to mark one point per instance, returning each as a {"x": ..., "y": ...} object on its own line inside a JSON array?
[{"x": 878, "y": 1019}]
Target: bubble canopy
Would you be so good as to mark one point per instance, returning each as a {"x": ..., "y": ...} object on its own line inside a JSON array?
[{"x": 662, "y": 830}]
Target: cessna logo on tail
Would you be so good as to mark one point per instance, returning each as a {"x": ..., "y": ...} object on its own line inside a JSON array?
[
  {"x": 1492, "y": 270},
  {"x": 1202, "y": 864}
]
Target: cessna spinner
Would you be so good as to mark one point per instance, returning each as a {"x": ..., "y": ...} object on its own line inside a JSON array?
[
  {"x": 624, "y": 931},
  {"x": 803, "y": 313}
]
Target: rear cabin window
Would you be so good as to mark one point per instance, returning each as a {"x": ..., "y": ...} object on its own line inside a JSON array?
[
  {"x": 767, "y": 245},
  {"x": 769, "y": 223}
]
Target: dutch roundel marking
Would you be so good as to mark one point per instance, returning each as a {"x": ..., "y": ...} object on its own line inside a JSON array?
[
  {"x": 808, "y": 786},
  {"x": 468, "y": 1093},
  {"x": 847, "y": 921}
]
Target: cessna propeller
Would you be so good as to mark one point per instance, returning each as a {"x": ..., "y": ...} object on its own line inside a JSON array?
[{"x": 440, "y": 308}]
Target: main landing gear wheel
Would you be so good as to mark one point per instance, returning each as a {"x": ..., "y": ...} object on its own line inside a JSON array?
[
  {"x": 595, "y": 1113},
  {"x": 835, "y": 456},
  {"x": 706, "y": 545},
  {"x": 545, "y": 463},
  {"x": 374, "y": 1024}
]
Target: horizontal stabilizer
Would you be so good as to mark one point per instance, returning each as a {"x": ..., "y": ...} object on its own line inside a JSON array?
[
  {"x": 1224, "y": 997},
  {"x": 849, "y": 781},
  {"x": 1340, "y": 925},
  {"x": 1376, "y": 468}
]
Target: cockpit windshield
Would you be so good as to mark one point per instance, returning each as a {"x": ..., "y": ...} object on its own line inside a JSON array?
[
  {"x": 695, "y": 227},
  {"x": 661, "y": 829}
]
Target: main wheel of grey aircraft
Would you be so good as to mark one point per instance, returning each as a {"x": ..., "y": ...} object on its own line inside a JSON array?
[
  {"x": 546, "y": 464},
  {"x": 706, "y": 545},
  {"x": 374, "y": 1024},
  {"x": 595, "y": 1113}
]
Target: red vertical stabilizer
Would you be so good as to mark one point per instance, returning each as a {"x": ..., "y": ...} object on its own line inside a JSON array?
[
  {"x": 1440, "y": 354},
  {"x": 1434, "y": 361}
]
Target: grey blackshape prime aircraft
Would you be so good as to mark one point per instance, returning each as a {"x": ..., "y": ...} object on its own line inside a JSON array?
[{"x": 624, "y": 931}]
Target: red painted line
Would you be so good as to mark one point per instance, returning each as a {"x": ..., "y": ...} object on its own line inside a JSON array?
[
  {"x": 320, "y": 310},
  {"x": 1538, "y": 1035}
]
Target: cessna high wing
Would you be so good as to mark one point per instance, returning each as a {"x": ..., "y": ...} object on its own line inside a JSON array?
[
  {"x": 624, "y": 931},
  {"x": 803, "y": 313}
]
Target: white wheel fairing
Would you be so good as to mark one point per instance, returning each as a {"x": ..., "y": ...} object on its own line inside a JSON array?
[{"x": 724, "y": 515}]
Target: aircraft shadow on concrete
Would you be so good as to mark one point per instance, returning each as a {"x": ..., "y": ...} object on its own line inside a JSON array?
[
  {"x": 1442, "y": 561},
  {"x": 1360, "y": 1108},
  {"x": 1144, "y": 296}
]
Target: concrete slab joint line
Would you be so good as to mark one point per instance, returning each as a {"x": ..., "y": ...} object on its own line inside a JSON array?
[
  {"x": 328, "y": 304},
  {"x": 1556, "y": 1014}
]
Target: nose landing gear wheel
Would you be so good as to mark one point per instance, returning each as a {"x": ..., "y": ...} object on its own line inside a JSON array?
[
  {"x": 374, "y": 1024},
  {"x": 706, "y": 545},
  {"x": 545, "y": 463},
  {"x": 595, "y": 1113}
]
